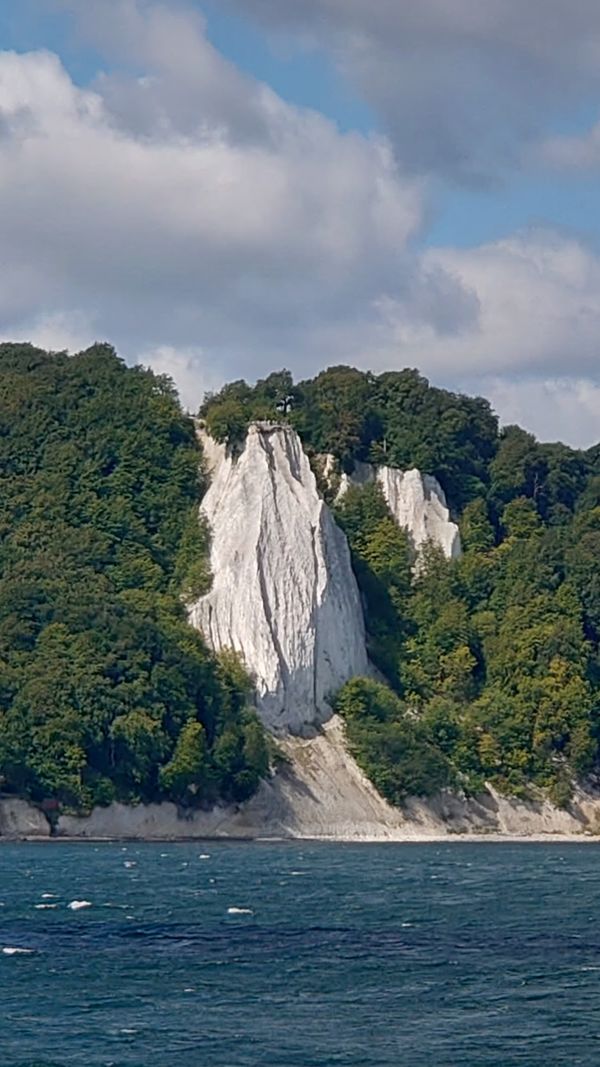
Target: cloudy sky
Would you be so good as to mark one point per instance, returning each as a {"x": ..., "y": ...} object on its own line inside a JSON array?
[{"x": 225, "y": 187}]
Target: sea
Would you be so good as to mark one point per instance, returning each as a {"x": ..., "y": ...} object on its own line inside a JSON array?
[{"x": 273, "y": 954}]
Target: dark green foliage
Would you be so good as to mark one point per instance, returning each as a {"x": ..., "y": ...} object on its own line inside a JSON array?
[
  {"x": 396, "y": 418},
  {"x": 335, "y": 413},
  {"x": 394, "y": 748},
  {"x": 553, "y": 476},
  {"x": 494, "y": 656},
  {"x": 442, "y": 433},
  {"x": 382, "y": 560},
  {"x": 105, "y": 691},
  {"x": 476, "y": 529},
  {"x": 228, "y": 414}
]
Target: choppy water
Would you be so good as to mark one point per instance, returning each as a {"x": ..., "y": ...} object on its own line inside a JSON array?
[{"x": 406, "y": 955}]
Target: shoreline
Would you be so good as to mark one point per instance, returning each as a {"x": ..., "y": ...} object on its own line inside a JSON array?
[
  {"x": 320, "y": 795},
  {"x": 418, "y": 839}
]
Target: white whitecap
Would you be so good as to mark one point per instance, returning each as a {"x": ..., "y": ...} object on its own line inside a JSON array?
[
  {"x": 204, "y": 856},
  {"x": 44, "y": 907},
  {"x": 240, "y": 911},
  {"x": 49, "y": 896},
  {"x": 77, "y": 905},
  {"x": 10, "y": 950}
]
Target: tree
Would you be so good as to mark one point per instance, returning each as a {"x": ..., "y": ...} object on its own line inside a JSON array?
[
  {"x": 382, "y": 558},
  {"x": 517, "y": 468},
  {"x": 227, "y": 420},
  {"x": 335, "y": 413},
  {"x": 100, "y": 673},
  {"x": 520, "y": 519},
  {"x": 188, "y": 772},
  {"x": 476, "y": 530},
  {"x": 393, "y": 748}
]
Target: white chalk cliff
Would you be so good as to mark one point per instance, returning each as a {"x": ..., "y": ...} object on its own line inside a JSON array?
[
  {"x": 416, "y": 501},
  {"x": 284, "y": 594}
]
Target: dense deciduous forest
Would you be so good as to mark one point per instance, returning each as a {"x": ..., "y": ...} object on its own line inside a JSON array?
[
  {"x": 105, "y": 691},
  {"x": 492, "y": 660}
]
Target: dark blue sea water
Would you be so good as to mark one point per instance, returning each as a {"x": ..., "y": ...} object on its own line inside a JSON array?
[{"x": 459, "y": 955}]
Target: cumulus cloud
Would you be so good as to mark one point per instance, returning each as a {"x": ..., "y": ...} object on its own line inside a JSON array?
[
  {"x": 185, "y": 212},
  {"x": 168, "y": 233},
  {"x": 59, "y": 331},
  {"x": 554, "y": 409},
  {"x": 462, "y": 86},
  {"x": 537, "y": 296},
  {"x": 191, "y": 368}
]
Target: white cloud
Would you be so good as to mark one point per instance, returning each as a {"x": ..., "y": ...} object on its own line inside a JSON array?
[
  {"x": 191, "y": 238},
  {"x": 190, "y": 216},
  {"x": 61, "y": 331},
  {"x": 537, "y": 296},
  {"x": 189, "y": 368},
  {"x": 554, "y": 409}
]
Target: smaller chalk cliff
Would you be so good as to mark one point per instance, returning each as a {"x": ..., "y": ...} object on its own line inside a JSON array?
[
  {"x": 284, "y": 594},
  {"x": 20, "y": 819},
  {"x": 416, "y": 501}
]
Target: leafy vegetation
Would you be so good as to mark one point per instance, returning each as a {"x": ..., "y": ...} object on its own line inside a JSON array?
[
  {"x": 392, "y": 744},
  {"x": 494, "y": 656},
  {"x": 493, "y": 659},
  {"x": 395, "y": 418},
  {"x": 105, "y": 691}
]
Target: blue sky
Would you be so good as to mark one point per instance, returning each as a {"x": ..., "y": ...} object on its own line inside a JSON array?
[
  {"x": 305, "y": 75},
  {"x": 308, "y": 182}
]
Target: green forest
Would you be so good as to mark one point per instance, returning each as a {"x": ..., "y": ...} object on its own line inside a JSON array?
[
  {"x": 491, "y": 661},
  {"x": 488, "y": 666},
  {"x": 105, "y": 691}
]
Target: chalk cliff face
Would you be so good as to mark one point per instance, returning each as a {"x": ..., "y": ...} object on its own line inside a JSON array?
[
  {"x": 416, "y": 501},
  {"x": 284, "y": 594},
  {"x": 19, "y": 818}
]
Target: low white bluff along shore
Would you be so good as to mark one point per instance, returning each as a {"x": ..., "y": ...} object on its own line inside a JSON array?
[{"x": 284, "y": 595}]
